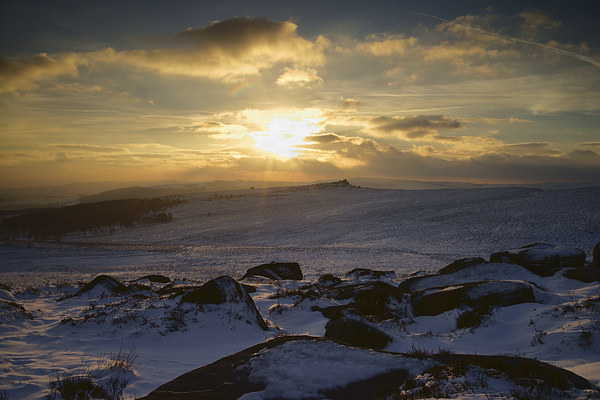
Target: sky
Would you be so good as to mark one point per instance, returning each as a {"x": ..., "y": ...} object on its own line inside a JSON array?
[{"x": 195, "y": 91}]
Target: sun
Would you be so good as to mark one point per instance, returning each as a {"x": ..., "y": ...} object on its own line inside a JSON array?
[{"x": 284, "y": 137}]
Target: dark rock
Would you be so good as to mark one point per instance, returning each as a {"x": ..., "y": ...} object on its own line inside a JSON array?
[
  {"x": 220, "y": 290},
  {"x": 249, "y": 288},
  {"x": 596, "y": 256},
  {"x": 155, "y": 278},
  {"x": 465, "y": 273},
  {"x": 541, "y": 255},
  {"x": 490, "y": 294},
  {"x": 377, "y": 387},
  {"x": 228, "y": 378},
  {"x": 223, "y": 379},
  {"x": 329, "y": 280},
  {"x": 586, "y": 275},
  {"x": 371, "y": 299},
  {"x": 356, "y": 333},
  {"x": 518, "y": 368},
  {"x": 461, "y": 264},
  {"x": 108, "y": 283},
  {"x": 365, "y": 273},
  {"x": 277, "y": 271},
  {"x": 224, "y": 289}
]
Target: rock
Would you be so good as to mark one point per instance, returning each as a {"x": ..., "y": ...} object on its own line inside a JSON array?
[
  {"x": 467, "y": 272},
  {"x": 586, "y": 275},
  {"x": 231, "y": 376},
  {"x": 329, "y": 280},
  {"x": 378, "y": 387},
  {"x": 542, "y": 255},
  {"x": 220, "y": 290},
  {"x": 356, "y": 333},
  {"x": 369, "y": 274},
  {"x": 461, "y": 264},
  {"x": 372, "y": 299},
  {"x": 596, "y": 259},
  {"x": 224, "y": 289},
  {"x": 490, "y": 294},
  {"x": 105, "y": 283},
  {"x": 155, "y": 278},
  {"x": 277, "y": 271}
]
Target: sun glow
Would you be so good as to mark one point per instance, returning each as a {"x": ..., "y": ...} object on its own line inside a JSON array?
[{"x": 285, "y": 137}]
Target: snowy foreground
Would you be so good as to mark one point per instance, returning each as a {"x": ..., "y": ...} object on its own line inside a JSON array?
[{"x": 149, "y": 333}]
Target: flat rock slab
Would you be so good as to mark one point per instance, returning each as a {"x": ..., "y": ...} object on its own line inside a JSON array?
[
  {"x": 277, "y": 271},
  {"x": 279, "y": 369},
  {"x": 542, "y": 255}
]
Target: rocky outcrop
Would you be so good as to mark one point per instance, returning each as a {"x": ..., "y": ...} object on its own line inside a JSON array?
[
  {"x": 596, "y": 257},
  {"x": 276, "y": 271},
  {"x": 105, "y": 284},
  {"x": 356, "y": 333},
  {"x": 539, "y": 256},
  {"x": 586, "y": 275},
  {"x": 374, "y": 300},
  {"x": 369, "y": 274},
  {"x": 328, "y": 280},
  {"x": 225, "y": 289},
  {"x": 461, "y": 264},
  {"x": 154, "y": 278},
  {"x": 231, "y": 377},
  {"x": 489, "y": 294}
]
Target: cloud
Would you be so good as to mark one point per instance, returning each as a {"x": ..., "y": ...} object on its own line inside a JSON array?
[
  {"x": 591, "y": 144},
  {"x": 230, "y": 50},
  {"x": 323, "y": 138},
  {"x": 299, "y": 77},
  {"x": 227, "y": 50},
  {"x": 412, "y": 127},
  {"x": 350, "y": 102},
  {"x": 85, "y": 148},
  {"x": 21, "y": 74},
  {"x": 535, "y": 20},
  {"x": 533, "y": 148},
  {"x": 388, "y": 45}
]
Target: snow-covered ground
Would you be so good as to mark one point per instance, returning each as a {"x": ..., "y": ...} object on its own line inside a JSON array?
[{"x": 326, "y": 230}]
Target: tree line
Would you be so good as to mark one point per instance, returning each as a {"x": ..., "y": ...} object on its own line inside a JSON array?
[{"x": 54, "y": 223}]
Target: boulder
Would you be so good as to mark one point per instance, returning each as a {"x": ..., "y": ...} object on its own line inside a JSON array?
[
  {"x": 461, "y": 264},
  {"x": 329, "y": 280},
  {"x": 231, "y": 376},
  {"x": 277, "y": 271},
  {"x": 372, "y": 299},
  {"x": 465, "y": 272},
  {"x": 596, "y": 256},
  {"x": 369, "y": 274},
  {"x": 542, "y": 255},
  {"x": 225, "y": 289},
  {"x": 490, "y": 294},
  {"x": 154, "y": 278},
  {"x": 104, "y": 283},
  {"x": 356, "y": 333},
  {"x": 586, "y": 275}
]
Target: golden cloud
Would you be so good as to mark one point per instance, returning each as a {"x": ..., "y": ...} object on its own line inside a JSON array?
[
  {"x": 387, "y": 45},
  {"x": 299, "y": 77},
  {"x": 230, "y": 50},
  {"x": 21, "y": 74},
  {"x": 411, "y": 127}
]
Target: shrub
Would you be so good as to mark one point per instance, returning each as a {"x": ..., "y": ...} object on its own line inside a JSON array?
[{"x": 106, "y": 382}]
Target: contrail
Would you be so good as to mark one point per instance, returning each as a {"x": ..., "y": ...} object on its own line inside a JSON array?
[{"x": 556, "y": 50}]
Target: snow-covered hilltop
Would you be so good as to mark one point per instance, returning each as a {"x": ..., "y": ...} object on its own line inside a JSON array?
[{"x": 420, "y": 278}]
